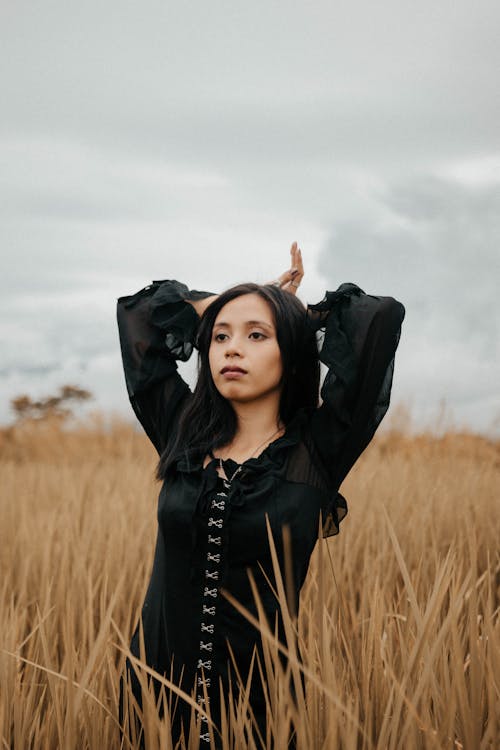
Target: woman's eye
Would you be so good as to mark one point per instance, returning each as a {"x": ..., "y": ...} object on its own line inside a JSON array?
[{"x": 255, "y": 335}]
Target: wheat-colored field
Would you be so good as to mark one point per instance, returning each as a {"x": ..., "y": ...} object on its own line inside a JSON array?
[{"x": 399, "y": 624}]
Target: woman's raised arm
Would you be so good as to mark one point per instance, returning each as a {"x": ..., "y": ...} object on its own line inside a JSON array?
[
  {"x": 200, "y": 305},
  {"x": 361, "y": 335},
  {"x": 157, "y": 327}
]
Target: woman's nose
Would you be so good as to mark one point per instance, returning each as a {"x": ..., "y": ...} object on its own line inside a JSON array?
[{"x": 233, "y": 348}]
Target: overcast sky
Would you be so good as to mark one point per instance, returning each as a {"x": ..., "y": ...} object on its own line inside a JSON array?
[{"x": 198, "y": 140}]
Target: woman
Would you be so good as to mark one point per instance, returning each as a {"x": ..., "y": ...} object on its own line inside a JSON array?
[{"x": 251, "y": 443}]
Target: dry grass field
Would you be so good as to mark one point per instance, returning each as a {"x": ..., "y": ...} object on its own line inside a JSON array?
[{"x": 399, "y": 624}]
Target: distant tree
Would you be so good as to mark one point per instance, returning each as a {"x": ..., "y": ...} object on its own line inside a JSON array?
[{"x": 51, "y": 406}]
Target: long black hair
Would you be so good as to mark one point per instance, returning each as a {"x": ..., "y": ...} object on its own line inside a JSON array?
[{"x": 208, "y": 420}]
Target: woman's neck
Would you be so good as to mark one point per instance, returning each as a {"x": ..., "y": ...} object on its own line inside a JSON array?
[{"x": 258, "y": 424}]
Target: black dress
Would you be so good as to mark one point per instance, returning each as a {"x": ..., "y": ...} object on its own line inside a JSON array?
[{"x": 211, "y": 532}]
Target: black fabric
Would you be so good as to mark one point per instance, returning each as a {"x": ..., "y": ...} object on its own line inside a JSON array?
[{"x": 294, "y": 482}]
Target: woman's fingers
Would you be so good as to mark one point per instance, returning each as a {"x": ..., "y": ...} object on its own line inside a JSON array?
[
  {"x": 294, "y": 257},
  {"x": 290, "y": 279},
  {"x": 297, "y": 268},
  {"x": 297, "y": 259}
]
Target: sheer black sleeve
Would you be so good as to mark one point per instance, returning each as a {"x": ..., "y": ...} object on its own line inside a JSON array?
[
  {"x": 157, "y": 327},
  {"x": 361, "y": 334}
]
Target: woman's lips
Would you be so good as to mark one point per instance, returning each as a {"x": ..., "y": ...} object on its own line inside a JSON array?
[{"x": 232, "y": 373}]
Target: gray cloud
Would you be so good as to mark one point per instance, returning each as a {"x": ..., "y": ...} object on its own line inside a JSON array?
[
  {"x": 196, "y": 142},
  {"x": 228, "y": 84},
  {"x": 437, "y": 252}
]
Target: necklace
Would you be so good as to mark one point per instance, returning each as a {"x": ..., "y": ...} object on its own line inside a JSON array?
[{"x": 268, "y": 439}]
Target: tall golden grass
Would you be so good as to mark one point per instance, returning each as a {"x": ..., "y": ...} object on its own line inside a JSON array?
[{"x": 398, "y": 631}]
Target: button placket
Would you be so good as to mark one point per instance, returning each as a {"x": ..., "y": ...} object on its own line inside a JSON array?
[
  {"x": 209, "y": 603},
  {"x": 215, "y": 522},
  {"x": 207, "y": 664}
]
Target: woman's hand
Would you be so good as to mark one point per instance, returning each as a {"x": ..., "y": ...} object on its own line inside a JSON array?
[{"x": 290, "y": 279}]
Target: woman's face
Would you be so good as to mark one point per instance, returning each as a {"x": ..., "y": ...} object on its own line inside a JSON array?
[{"x": 244, "y": 355}]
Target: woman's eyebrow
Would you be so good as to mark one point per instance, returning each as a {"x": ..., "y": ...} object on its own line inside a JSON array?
[{"x": 248, "y": 323}]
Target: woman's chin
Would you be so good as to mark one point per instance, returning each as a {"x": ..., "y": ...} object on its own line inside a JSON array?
[
  {"x": 232, "y": 391},
  {"x": 240, "y": 395}
]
